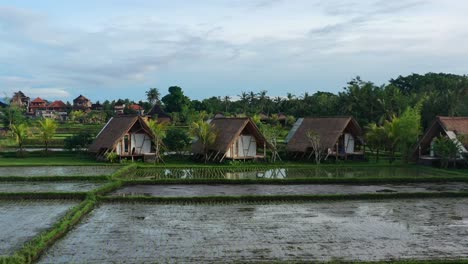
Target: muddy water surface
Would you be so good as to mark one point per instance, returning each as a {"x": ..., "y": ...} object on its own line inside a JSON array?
[
  {"x": 282, "y": 173},
  {"x": 350, "y": 230},
  {"x": 20, "y": 221},
  {"x": 8, "y": 187},
  {"x": 57, "y": 171},
  {"x": 258, "y": 189}
]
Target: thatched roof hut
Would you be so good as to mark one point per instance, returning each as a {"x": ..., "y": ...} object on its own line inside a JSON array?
[
  {"x": 340, "y": 135},
  {"x": 162, "y": 116},
  {"x": 128, "y": 136},
  {"x": 455, "y": 128},
  {"x": 237, "y": 138}
]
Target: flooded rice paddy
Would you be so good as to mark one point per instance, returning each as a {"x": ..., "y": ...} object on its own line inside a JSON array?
[
  {"x": 37, "y": 187},
  {"x": 324, "y": 231},
  {"x": 295, "y": 189},
  {"x": 20, "y": 221},
  {"x": 281, "y": 173},
  {"x": 57, "y": 171}
]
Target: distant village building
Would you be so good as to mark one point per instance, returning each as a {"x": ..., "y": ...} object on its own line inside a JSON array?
[
  {"x": 81, "y": 103},
  {"x": 454, "y": 128},
  {"x": 282, "y": 118},
  {"x": 19, "y": 99},
  {"x": 97, "y": 107},
  {"x": 219, "y": 115},
  {"x": 263, "y": 117},
  {"x": 55, "y": 110},
  {"x": 137, "y": 109},
  {"x": 119, "y": 109},
  {"x": 128, "y": 136},
  {"x": 237, "y": 139},
  {"x": 37, "y": 104},
  {"x": 157, "y": 112},
  {"x": 340, "y": 136}
]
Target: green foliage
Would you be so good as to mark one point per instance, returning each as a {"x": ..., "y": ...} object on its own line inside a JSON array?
[
  {"x": 112, "y": 157},
  {"x": 447, "y": 149},
  {"x": 176, "y": 139},
  {"x": 408, "y": 130},
  {"x": 376, "y": 139},
  {"x": 47, "y": 130},
  {"x": 79, "y": 141},
  {"x": 159, "y": 133},
  {"x": 153, "y": 95},
  {"x": 20, "y": 132},
  {"x": 175, "y": 100},
  {"x": 12, "y": 115},
  {"x": 205, "y": 133}
]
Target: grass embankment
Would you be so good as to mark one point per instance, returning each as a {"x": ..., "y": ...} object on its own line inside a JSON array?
[
  {"x": 52, "y": 159},
  {"x": 316, "y": 180},
  {"x": 32, "y": 250}
]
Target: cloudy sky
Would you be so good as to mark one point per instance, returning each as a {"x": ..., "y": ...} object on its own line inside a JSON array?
[{"x": 118, "y": 49}]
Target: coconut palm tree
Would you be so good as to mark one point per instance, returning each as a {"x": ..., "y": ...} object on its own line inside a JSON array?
[
  {"x": 159, "y": 133},
  {"x": 153, "y": 95},
  {"x": 206, "y": 135},
  {"x": 20, "y": 132},
  {"x": 47, "y": 130}
]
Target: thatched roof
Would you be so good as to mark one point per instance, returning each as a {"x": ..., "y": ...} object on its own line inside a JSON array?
[
  {"x": 157, "y": 110},
  {"x": 228, "y": 130},
  {"x": 329, "y": 130},
  {"x": 114, "y": 130},
  {"x": 445, "y": 124}
]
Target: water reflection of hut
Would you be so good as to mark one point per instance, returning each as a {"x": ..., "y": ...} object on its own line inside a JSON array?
[
  {"x": 128, "y": 136},
  {"x": 237, "y": 139},
  {"x": 454, "y": 128},
  {"x": 341, "y": 137}
]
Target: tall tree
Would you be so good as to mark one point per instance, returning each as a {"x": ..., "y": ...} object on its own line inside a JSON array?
[
  {"x": 175, "y": 100},
  {"x": 159, "y": 133},
  {"x": 206, "y": 134},
  {"x": 47, "y": 130},
  {"x": 153, "y": 95},
  {"x": 375, "y": 139}
]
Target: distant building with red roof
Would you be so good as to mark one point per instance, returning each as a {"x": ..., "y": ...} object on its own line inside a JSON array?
[
  {"x": 37, "y": 104},
  {"x": 137, "y": 108}
]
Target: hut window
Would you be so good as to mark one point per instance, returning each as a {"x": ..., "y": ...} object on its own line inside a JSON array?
[{"x": 126, "y": 143}]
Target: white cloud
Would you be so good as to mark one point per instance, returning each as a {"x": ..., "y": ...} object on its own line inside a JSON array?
[{"x": 267, "y": 42}]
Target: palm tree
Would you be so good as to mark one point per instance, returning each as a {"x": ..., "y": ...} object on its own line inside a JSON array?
[
  {"x": 159, "y": 133},
  {"x": 153, "y": 95},
  {"x": 20, "y": 132},
  {"x": 244, "y": 98},
  {"x": 47, "y": 130},
  {"x": 226, "y": 100},
  {"x": 206, "y": 135}
]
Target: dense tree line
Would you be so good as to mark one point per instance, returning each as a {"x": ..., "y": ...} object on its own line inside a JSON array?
[{"x": 437, "y": 93}]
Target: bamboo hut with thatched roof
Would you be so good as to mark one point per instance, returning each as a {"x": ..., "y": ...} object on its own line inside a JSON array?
[
  {"x": 340, "y": 137},
  {"x": 157, "y": 112},
  {"x": 454, "y": 128},
  {"x": 237, "y": 139},
  {"x": 128, "y": 136}
]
